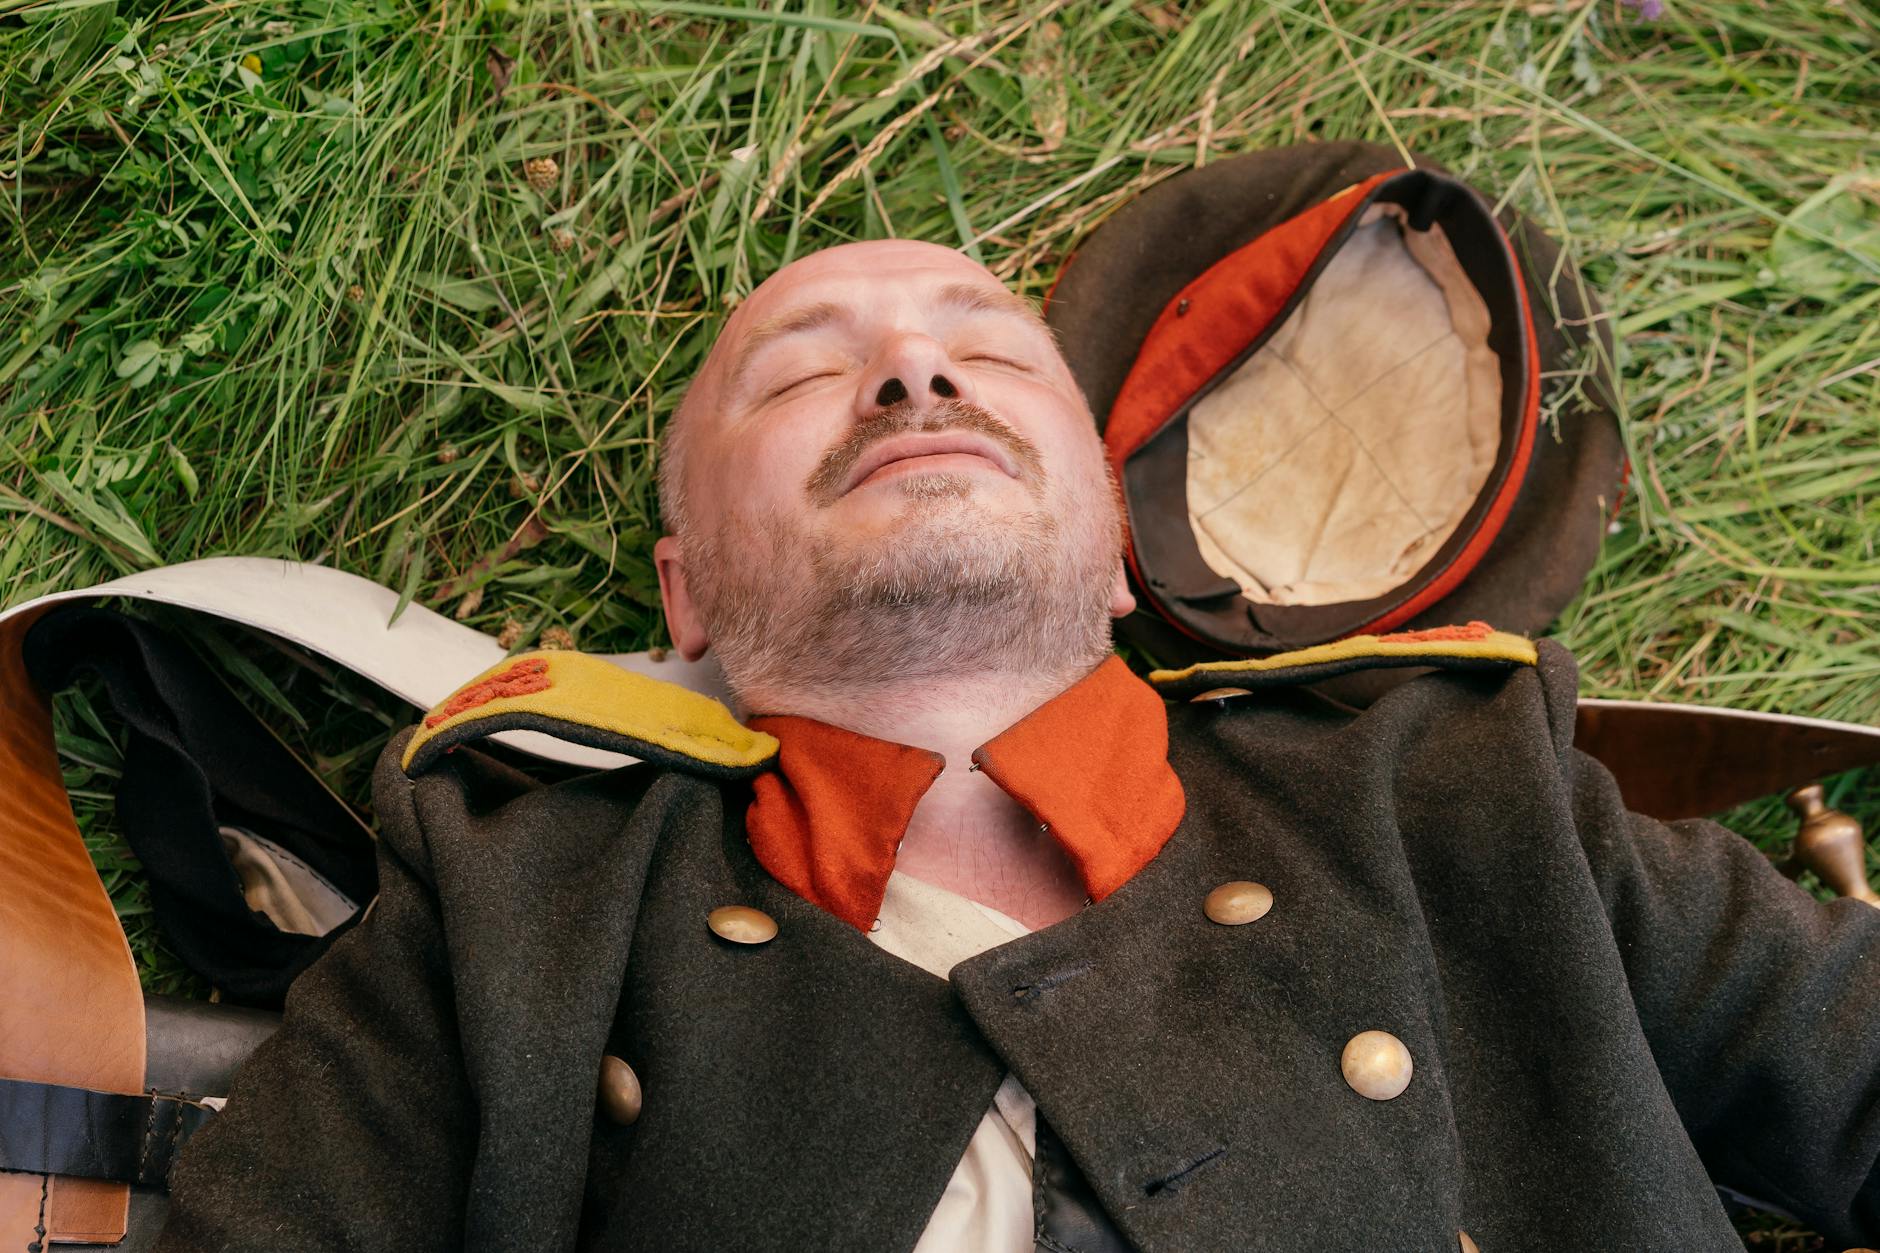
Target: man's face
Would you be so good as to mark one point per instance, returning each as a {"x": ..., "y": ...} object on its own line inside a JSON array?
[{"x": 882, "y": 439}]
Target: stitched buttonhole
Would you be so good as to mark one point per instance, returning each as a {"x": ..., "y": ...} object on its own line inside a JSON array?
[
  {"x": 1026, "y": 993},
  {"x": 1169, "y": 1183}
]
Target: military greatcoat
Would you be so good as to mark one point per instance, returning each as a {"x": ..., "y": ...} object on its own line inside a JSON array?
[{"x": 1605, "y": 1014}]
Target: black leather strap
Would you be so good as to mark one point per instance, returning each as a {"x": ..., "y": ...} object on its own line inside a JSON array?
[
  {"x": 1069, "y": 1218},
  {"x": 51, "y": 1129}
]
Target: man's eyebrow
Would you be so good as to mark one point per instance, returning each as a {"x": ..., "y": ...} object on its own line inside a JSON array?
[
  {"x": 794, "y": 322},
  {"x": 977, "y": 298}
]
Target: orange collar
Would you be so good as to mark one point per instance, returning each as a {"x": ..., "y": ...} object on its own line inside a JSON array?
[{"x": 1091, "y": 764}]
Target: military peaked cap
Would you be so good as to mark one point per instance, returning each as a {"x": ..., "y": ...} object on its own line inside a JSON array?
[{"x": 1318, "y": 373}]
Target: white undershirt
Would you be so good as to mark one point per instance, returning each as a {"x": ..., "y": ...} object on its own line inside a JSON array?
[{"x": 987, "y": 1207}]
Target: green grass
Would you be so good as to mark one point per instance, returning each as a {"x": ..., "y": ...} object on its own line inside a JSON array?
[{"x": 276, "y": 282}]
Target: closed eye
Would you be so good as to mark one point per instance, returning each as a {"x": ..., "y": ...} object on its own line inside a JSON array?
[
  {"x": 807, "y": 378},
  {"x": 997, "y": 361}
]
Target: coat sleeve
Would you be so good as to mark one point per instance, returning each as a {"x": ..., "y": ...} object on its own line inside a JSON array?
[
  {"x": 353, "y": 1126},
  {"x": 1761, "y": 1005}
]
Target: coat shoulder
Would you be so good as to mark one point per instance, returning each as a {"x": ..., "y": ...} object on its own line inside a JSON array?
[
  {"x": 1542, "y": 669},
  {"x": 1469, "y": 646},
  {"x": 590, "y": 701},
  {"x": 472, "y": 806},
  {"x": 435, "y": 781}
]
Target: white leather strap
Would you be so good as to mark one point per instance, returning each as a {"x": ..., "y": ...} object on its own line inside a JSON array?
[{"x": 423, "y": 657}]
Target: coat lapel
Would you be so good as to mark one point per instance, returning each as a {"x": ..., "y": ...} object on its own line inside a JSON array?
[
  {"x": 540, "y": 900},
  {"x": 811, "y": 1092},
  {"x": 1191, "y": 1073}
]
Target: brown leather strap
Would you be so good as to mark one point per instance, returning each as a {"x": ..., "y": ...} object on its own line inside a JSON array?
[{"x": 75, "y": 1014}]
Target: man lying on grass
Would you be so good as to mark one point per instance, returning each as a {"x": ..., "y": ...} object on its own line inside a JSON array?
[{"x": 967, "y": 939}]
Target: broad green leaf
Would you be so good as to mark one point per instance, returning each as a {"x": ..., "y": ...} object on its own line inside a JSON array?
[
  {"x": 1845, "y": 214},
  {"x": 469, "y": 294},
  {"x": 139, "y": 358}
]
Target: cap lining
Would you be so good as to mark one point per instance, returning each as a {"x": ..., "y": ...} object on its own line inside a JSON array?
[
  {"x": 1335, "y": 460},
  {"x": 1164, "y": 554}
]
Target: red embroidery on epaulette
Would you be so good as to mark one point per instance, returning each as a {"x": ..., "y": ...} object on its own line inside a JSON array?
[
  {"x": 1469, "y": 631},
  {"x": 519, "y": 680}
]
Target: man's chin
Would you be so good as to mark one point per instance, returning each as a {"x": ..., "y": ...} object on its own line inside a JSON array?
[
  {"x": 950, "y": 552},
  {"x": 914, "y": 504},
  {"x": 935, "y": 486}
]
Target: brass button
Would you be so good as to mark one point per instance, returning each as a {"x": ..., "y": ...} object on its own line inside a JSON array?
[
  {"x": 1219, "y": 693},
  {"x": 1376, "y": 1065},
  {"x": 1234, "y": 903},
  {"x": 1467, "y": 1245},
  {"x": 620, "y": 1094},
  {"x": 742, "y": 925}
]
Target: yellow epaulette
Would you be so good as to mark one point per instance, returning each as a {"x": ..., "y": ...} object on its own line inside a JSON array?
[
  {"x": 576, "y": 697},
  {"x": 1475, "y": 646}
]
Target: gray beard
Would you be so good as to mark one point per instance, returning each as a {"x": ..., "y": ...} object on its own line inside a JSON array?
[{"x": 945, "y": 598}]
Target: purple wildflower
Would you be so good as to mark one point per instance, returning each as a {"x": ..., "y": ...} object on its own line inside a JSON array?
[{"x": 1648, "y": 10}]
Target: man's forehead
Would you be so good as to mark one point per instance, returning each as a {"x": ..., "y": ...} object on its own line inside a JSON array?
[
  {"x": 857, "y": 271},
  {"x": 844, "y": 276}
]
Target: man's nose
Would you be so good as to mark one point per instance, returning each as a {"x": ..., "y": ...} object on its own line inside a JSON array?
[{"x": 912, "y": 367}]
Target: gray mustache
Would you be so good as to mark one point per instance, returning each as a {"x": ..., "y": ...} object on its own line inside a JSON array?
[{"x": 824, "y": 484}]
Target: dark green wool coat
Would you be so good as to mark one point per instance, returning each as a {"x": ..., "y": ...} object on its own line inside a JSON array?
[{"x": 1604, "y": 1013}]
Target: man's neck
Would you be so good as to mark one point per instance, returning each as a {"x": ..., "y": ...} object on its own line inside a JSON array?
[
  {"x": 951, "y": 716},
  {"x": 966, "y": 834}
]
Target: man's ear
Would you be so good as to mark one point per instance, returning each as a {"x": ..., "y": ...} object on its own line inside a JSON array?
[
  {"x": 682, "y": 620},
  {"x": 1122, "y": 600}
]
